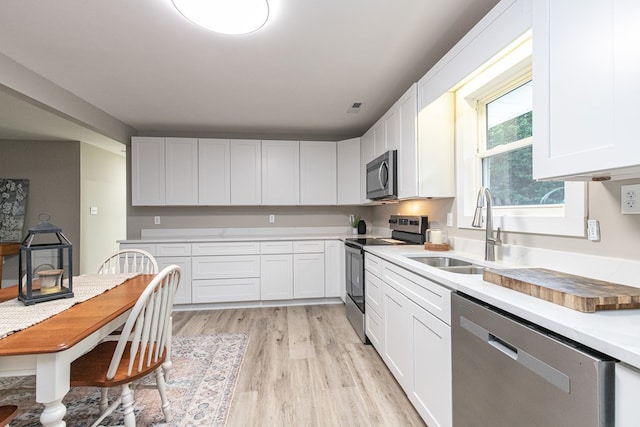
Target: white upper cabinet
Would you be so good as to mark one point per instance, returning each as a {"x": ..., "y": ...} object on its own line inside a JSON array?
[
  {"x": 182, "y": 171},
  {"x": 280, "y": 172},
  {"x": 214, "y": 175},
  {"x": 586, "y": 67},
  {"x": 366, "y": 155},
  {"x": 406, "y": 112},
  {"x": 436, "y": 156},
  {"x": 245, "y": 171},
  {"x": 392, "y": 129},
  {"x": 349, "y": 172},
  {"x": 379, "y": 138},
  {"x": 147, "y": 171},
  {"x": 318, "y": 173}
]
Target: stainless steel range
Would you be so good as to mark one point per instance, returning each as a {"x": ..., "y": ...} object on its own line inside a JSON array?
[{"x": 405, "y": 230}]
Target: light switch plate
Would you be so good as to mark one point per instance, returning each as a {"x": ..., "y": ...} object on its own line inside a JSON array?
[{"x": 593, "y": 230}]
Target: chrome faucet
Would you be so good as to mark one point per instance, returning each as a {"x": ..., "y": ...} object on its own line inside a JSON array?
[{"x": 484, "y": 197}]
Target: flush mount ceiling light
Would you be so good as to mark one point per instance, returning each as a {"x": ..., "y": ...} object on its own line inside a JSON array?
[{"x": 225, "y": 16}]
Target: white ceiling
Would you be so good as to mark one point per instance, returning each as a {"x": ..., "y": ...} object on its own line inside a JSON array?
[{"x": 141, "y": 62}]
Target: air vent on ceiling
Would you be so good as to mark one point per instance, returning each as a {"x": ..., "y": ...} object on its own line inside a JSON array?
[{"x": 355, "y": 107}]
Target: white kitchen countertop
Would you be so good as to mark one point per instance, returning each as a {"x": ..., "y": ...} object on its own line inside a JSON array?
[{"x": 613, "y": 332}]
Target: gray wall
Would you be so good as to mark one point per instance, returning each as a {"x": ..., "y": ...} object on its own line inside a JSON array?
[
  {"x": 103, "y": 186},
  {"x": 53, "y": 170},
  {"x": 244, "y": 217},
  {"x": 620, "y": 234}
]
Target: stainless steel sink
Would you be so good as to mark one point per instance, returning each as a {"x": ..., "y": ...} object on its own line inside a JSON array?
[
  {"x": 452, "y": 265},
  {"x": 464, "y": 269},
  {"x": 441, "y": 261}
]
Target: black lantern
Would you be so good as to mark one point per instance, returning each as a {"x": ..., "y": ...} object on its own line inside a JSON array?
[{"x": 44, "y": 262}]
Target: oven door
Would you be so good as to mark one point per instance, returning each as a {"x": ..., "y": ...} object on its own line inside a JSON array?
[{"x": 355, "y": 275}]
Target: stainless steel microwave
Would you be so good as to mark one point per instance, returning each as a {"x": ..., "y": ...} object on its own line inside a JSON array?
[{"x": 382, "y": 177}]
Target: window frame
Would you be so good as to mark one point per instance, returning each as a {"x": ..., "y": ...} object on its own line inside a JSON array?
[{"x": 508, "y": 69}]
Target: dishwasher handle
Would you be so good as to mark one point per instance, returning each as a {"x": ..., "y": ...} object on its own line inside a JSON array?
[
  {"x": 502, "y": 346},
  {"x": 534, "y": 364}
]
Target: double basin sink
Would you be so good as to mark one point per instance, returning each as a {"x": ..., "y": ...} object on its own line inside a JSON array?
[{"x": 453, "y": 265}]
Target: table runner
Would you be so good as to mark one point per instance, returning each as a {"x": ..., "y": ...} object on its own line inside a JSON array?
[{"x": 15, "y": 316}]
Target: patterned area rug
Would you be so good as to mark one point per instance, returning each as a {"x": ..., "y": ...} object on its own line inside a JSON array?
[{"x": 200, "y": 388}]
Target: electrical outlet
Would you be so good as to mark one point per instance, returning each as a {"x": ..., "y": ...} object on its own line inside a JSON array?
[
  {"x": 630, "y": 199},
  {"x": 272, "y": 218},
  {"x": 156, "y": 220},
  {"x": 593, "y": 230}
]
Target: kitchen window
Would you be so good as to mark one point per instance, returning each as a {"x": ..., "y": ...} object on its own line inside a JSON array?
[{"x": 494, "y": 145}]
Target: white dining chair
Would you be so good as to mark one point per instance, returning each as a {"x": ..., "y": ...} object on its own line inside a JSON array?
[
  {"x": 132, "y": 261},
  {"x": 129, "y": 261},
  {"x": 142, "y": 348}
]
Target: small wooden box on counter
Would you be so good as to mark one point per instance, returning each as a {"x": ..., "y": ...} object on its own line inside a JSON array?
[{"x": 575, "y": 292}]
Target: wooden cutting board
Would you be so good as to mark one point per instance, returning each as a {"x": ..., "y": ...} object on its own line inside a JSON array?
[{"x": 575, "y": 292}]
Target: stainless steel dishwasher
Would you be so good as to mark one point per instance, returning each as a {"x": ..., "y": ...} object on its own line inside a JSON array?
[{"x": 507, "y": 372}]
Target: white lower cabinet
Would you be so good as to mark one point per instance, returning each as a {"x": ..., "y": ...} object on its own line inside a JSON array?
[
  {"x": 276, "y": 277},
  {"x": 430, "y": 386},
  {"x": 308, "y": 275},
  {"x": 183, "y": 294},
  {"x": 408, "y": 321},
  {"x": 334, "y": 274},
  {"x": 397, "y": 336},
  {"x": 373, "y": 310},
  {"x": 240, "y": 271},
  {"x": 627, "y": 392},
  {"x": 225, "y": 278}
]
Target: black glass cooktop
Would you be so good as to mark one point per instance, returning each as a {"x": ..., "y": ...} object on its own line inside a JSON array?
[{"x": 374, "y": 242}]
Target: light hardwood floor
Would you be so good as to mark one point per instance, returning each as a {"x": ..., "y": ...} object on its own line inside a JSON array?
[{"x": 304, "y": 366}]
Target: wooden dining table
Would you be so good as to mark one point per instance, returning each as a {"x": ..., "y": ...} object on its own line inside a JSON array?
[{"x": 47, "y": 349}]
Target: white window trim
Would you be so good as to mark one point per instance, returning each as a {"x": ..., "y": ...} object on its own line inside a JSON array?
[{"x": 567, "y": 220}]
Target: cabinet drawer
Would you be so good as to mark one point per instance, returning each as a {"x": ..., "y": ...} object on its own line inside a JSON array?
[
  {"x": 226, "y": 248},
  {"x": 434, "y": 298},
  {"x": 373, "y": 264},
  {"x": 173, "y": 249},
  {"x": 276, "y": 247},
  {"x": 373, "y": 293},
  {"x": 308, "y": 246},
  {"x": 149, "y": 247},
  {"x": 221, "y": 267},
  {"x": 226, "y": 290}
]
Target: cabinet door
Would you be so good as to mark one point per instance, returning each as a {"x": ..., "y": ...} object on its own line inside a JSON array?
[
  {"x": 318, "y": 173},
  {"x": 435, "y": 168},
  {"x": 349, "y": 171},
  {"x": 334, "y": 272},
  {"x": 183, "y": 294},
  {"x": 586, "y": 88},
  {"x": 245, "y": 172},
  {"x": 407, "y": 107},
  {"x": 214, "y": 175},
  {"x": 379, "y": 138},
  {"x": 147, "y": 171},
  {"x": 276, "y": 277},
  {"x": 366, "y": 155},
  {"x": 397, "y": 335},
  {"x": 627, "y": 392},
  {"x": 181, "y": 171},
  {"x": 308, "y": 275},
  {"x": 430, "y": 386},
  {"x": 374, "y": 330},
  {"x": 392, "y": 128},
  {"x": 280, "y": 172}
]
